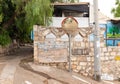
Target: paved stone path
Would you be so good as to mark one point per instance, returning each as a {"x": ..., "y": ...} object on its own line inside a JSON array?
[
  {"x": 8, "y": 66},
  {"x": 12, "y": 73},
  {"x": 7, "y": 74}
]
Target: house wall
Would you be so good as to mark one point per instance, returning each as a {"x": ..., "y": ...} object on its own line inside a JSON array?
[
  {"x": 56, "y": 21},
  {"x": 51, "y": 49}
]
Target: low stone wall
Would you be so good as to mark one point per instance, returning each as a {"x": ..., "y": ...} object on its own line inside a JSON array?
[
  {"x": 82, "y": 59},
  {"x": 5, "y": 50},
  {"x": 109, "y": 65}
]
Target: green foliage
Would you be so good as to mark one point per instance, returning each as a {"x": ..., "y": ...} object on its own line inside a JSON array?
[
  {"x": 116, "y": 10},
  {"x": 24, "y": 32},
  {"x": 38, "y": 12},
  {"x": 72, "y": 1},
  {"x": 4, "y": 38},
  {"x": 114, "y": 29},
  {"x": 20, "y": 31},
  {"x": 6, "y": 11},
  {"x": 1, "y": 17},
  {"x": 20, "y": 15},
  {"x": 113, "y": 36},
  {"x": 113, "y": 32}
]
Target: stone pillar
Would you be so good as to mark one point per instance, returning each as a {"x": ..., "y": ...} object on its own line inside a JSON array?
[{"x": 35, "y": 30}]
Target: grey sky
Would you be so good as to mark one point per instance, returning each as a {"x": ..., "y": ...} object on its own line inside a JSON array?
[{"x": 105, "y": 6}]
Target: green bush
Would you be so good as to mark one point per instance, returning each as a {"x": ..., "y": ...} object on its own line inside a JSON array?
[{"x": 4, "y": 38}]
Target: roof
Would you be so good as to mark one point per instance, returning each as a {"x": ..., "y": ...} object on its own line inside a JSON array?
[
  {"x": 80, "y": 3},
  {"x": 115, "y": 20},
  {"x": 82, "y": 7},
  {"x": 78, "y": 7}
]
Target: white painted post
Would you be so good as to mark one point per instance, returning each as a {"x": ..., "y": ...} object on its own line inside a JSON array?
[
  {"x": 69, "y": 52},
  {"x": 97, "y": 65}
]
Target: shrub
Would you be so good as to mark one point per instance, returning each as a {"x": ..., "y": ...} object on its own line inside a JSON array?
[{"x": 4, "y": 38}]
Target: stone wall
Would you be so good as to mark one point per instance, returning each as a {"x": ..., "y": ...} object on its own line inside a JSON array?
[
  {"x": 54, "y": 51},
  {"x": 9, "y": 49},
  {"x": 109, "y": 66}
]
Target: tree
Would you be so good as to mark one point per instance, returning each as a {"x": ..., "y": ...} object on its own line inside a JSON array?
[
  {"x": 116, "y": 10},
  {"x": 6, "y": 12},
  {"x": 17, "y": 17},
  {"x": 38, "y": 12}
]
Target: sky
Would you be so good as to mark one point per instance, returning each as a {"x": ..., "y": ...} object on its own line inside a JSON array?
[{"x": 105, "y": 6}]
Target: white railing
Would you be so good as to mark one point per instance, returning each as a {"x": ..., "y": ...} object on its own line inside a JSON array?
[{"x": 82, "y": 21}]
